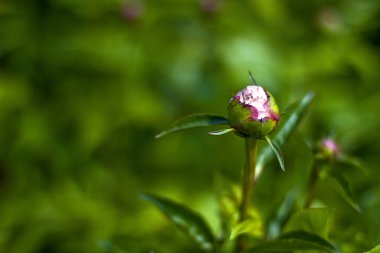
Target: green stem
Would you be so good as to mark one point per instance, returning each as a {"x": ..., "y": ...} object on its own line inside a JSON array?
[
  {"x": 248, "y": 183},
  {"x": 314, "y": 175}
]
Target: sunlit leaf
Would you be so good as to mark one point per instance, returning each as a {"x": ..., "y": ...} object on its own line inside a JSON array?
[
  {"x": 277, "y": 151},
  {"x": 223, "y": 131},
  {"x": 228, "y": 193},
  {"x": 313, "y": 220},
  {"x": 343, "y": 188},
  {"x": 243, "y": 227},
  {"x": 190, "y": 222},
  {"x": 374, "y": 250},
  {"x": 295, "y": 240},
  {"x": 252, "y": 226},
  {"x": 195, "y": 120},
  {"x": 284, "y": 132}
]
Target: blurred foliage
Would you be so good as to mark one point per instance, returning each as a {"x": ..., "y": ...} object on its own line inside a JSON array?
[{"x": 86, "y": 85}]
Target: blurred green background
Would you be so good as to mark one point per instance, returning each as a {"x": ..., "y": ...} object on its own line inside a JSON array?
[{"x": 86, "y": 84}]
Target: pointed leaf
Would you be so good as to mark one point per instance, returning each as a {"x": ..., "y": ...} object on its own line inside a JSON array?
[
  {"x": 252, "y": 226},
  {"x": 223, "y": 131},
  {"x": 292, "y": 241},
  {"x": 309, "y": 237},
  {"x": 284, "y": 132},
  {"x": 343, "y": 188},
  {"x": 190, "y": 222},
  {"x": 195, "y": 120},
  {"x": 244, "y": 227},
  {"x": 353, "y": 162},
  {"x": 313, "y": 220},
  {"x": 374, "y": 250},
  {"x": 277, "y": 223},
  {"x": 277, "y": 151}
]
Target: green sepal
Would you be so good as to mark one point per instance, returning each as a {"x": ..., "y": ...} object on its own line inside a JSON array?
[
  {"x": 277, "y": 151},
  {"x": 222, "y": 131}
]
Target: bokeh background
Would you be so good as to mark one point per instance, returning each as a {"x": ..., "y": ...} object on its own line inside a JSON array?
[{"x": 86, "y": 84}]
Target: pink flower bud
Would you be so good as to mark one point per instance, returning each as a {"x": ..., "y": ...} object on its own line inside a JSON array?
[
  {"x": 329, "y": 149},
  {"x": 253, "y": 112},
  {"x": 132, "y": 11}
]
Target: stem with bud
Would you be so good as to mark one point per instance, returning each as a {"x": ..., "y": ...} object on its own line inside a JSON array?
[
  {"x": 314, "y": 174},
  {"x": 248, "y": 183}
]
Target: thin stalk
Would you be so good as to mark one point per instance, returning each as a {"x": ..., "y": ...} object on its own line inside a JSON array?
[
  {"x": 248, "y": 183},
  {"x": 314, "y": 175}
]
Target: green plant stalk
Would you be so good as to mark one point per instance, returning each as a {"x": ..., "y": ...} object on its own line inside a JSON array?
[
  {"x": 248, "y": 184},
  {"x": 314, "y": 175}
]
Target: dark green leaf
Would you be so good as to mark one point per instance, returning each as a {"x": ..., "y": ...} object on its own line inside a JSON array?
[
  {"x": 277, "y": 151},
  {"x": 343, "y": 188},
  {"x": 353, "y": 162},
  {"x": 284, "y": 132},
  {"x": 190, "y": 222},
  {"x": 109, "y": 247},
  {"x": 195, "y": 120},
  {"x": 277, "y": 223},
  {"x": 295, "y": 240},
  {"x": 313, "y": 220}
]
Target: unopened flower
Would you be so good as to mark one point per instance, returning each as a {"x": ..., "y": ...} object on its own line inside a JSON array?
[
  {"x": 133, "y": 10},
  {"x": 210, "y": 6},
  {"x": 253, "y": 112},
  {"x": 328, "y": 149}
]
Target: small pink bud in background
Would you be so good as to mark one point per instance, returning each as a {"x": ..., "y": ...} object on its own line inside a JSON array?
[
  {"x": 210, "y": 6},
  {"x": 132, "y": 10},
  {"x": 330, "y": 19},
  {"x": 329, "y": 149}
]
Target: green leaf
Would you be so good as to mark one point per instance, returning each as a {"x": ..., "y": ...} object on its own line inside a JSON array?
[
  {"x": 252, "y": 226},
  {"x": 109, "y": 247},
  {"x": 313, "y": 220},
  {"x": 195, "y": 120},
  {"x": 374, "y": 250},
  {"x": 343, "y": 188},
  {"x": 190, "y": 222},
  {"x": 243, "y": 227},
  {"x": 352, "y": 162},
  {"x": 277, "y": 223},
  {"x": 277, "y": 151},
  {"x": 223, "y": 131},
  {"x": 295, "y": 240},
  {"x": 284, "y": 132}
]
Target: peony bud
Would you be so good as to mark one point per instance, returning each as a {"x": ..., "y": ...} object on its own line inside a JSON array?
[
  {"x": 329, "y": 149},
  {"x": 211, "y": 6},
  {"x": 253, "y": 112},
  {"x": 132, "y": 11}
]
